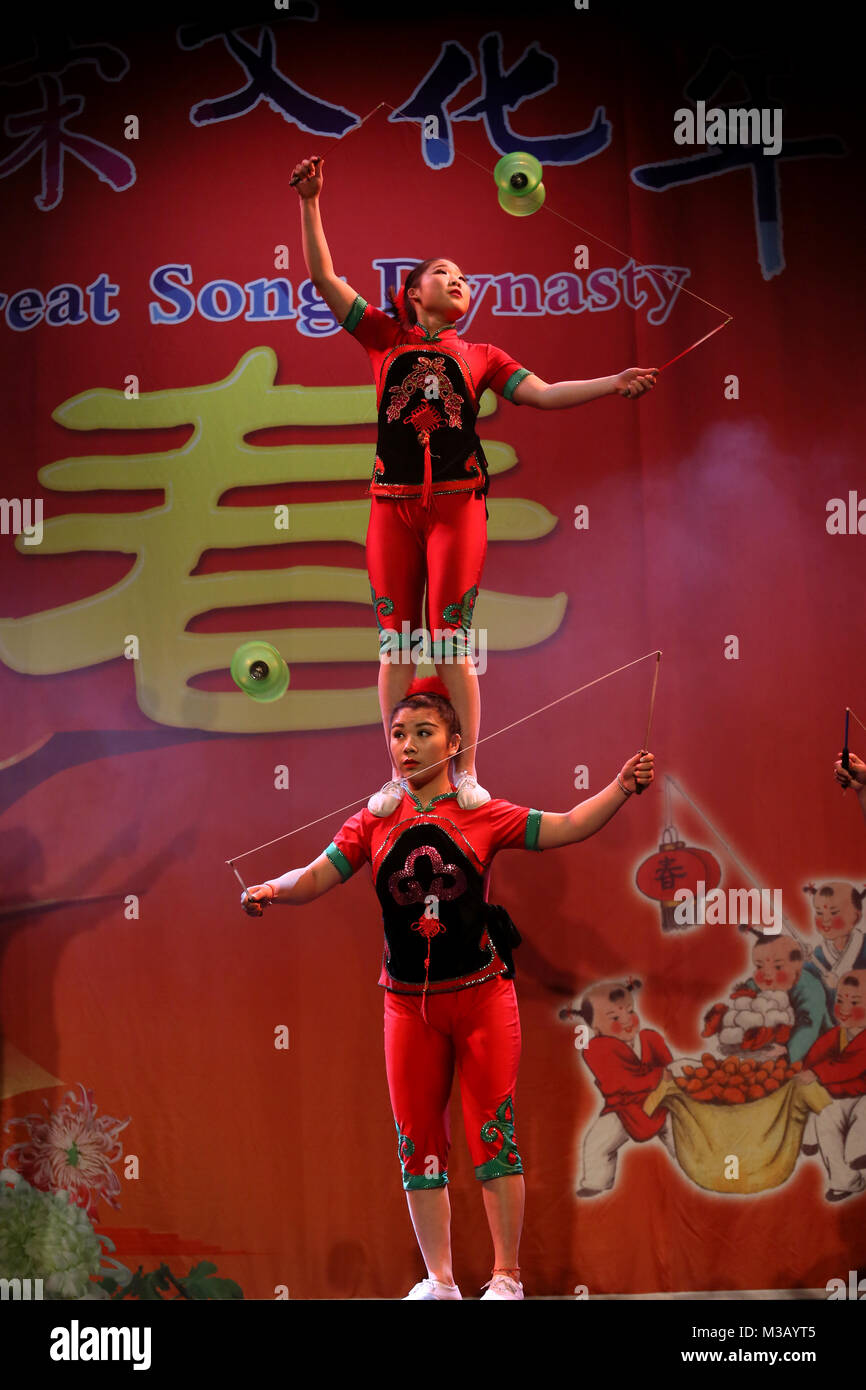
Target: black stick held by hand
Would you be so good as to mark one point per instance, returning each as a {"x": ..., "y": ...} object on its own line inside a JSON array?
[{"x": 637, "y": 786}]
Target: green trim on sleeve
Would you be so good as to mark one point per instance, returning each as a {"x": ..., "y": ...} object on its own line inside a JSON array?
[
  {"x": 355, "y": 314},
  {"x": 339, "y": 861},
  {"x": 533, "y": 826},
  {"x": 514, "y": 381}
]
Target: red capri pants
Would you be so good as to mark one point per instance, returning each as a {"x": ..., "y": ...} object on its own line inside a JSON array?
[
  {"x": 443, "y": 545},
  {"x": 476, "y": 1030}
]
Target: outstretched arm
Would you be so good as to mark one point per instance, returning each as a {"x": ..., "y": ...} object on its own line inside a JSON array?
[
  {"x": 633, "y": 382},
  {"x": 584, "y": 820},
  {"x": 338, "y": 296},
  {"x": 296, "y": 887}
]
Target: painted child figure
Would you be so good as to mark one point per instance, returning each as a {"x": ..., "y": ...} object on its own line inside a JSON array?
[
  {"x": 838, "y": 909},
  {"x": 838, "y": 1061},
  {"x": 778, "y": 965},
  {"x": 428, "y": 515},
  {"x": 627, "y": 1062}
]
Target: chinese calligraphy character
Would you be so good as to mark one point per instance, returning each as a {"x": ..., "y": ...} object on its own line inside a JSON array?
[
  {"x": 51, "y": 135},
  {"x": 534, "y": 72},
  {"x": 765, "y": 168},
  {"x": 163, "y": 594},
  {"x": 668, "y": 871},
  {"x": 265, "y": 83}
]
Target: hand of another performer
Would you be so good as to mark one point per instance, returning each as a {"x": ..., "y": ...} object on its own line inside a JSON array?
[
  {"x": 257, "y": 898},
  {"x": 804, "y": 1077},
  {"x": 638, "y": 771},
  {"x": 309, "y": 176},
  {"x": 856, "y": 774},
  {"x": 634, "y": 381}
]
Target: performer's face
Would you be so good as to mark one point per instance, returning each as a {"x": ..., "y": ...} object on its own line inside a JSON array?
[
  {"x": 773, "y": 966},
  {"x": 851, "y": 1001},
  {"x": 835, "y": 912},
  {"x": 444, "y": 289},
  {"x": 420, "y": 745}
]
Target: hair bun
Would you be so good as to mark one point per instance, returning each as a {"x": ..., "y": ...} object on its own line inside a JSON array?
[{"x": 429, "y": 685}]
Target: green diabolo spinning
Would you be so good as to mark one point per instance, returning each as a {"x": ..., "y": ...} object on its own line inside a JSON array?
[
  {"x": 518, "y": 178},
  {"x": 260, "y": 672}
]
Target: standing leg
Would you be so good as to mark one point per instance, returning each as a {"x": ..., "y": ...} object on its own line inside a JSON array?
[
  {"x": 396, "y": 567},
  {"x": 855, "y": 1139},
  {"x": 831, "y": 1127},
  {"x": 504, "y": 1202},
  {"x": 487, "y": 1043},
  {"x": 456, "y": 547},
  {"x": 604, "y": 1138},
  {"x": 419, "y": 1060}
]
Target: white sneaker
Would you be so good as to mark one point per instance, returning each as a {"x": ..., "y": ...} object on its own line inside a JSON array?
[
  {"x": 433, "y": 1288},
  {"x": 502, "y": 1286},
  {"x": 469, "y": 794},
  {"x": 386, "y": 801}
]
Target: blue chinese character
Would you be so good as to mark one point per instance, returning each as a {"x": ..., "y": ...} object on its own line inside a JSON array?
[
  {"x": 765, "y": 168},
  {"x": 534, "y": 72},
  {"x": 265, "y": 82}
]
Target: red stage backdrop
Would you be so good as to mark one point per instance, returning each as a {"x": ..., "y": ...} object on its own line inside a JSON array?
[{"x": 188, "y": 439}]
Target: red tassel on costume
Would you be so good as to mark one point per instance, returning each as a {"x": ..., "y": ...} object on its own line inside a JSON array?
[
  {"x": 428, "y": 927},
  {"x": 425, "y": 418},
  {"x": 427, "y": 491}
]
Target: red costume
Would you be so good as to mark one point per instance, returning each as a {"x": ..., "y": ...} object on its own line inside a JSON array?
[
  {"x": 430, "y": 476},
  {"x": 841, "y": 1070},
  {"x": 450, "y": 1002},
  {"x": 625, "y": 1080}
]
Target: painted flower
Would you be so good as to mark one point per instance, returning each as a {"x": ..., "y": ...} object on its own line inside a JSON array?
[
  {"x": 71, "y": 1150},
  {"x": 47, "y": 1236}
]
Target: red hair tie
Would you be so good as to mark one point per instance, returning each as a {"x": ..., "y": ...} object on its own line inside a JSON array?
[
  {"x": 429, "y": 685},
  {"x": 399, "y": 302}
]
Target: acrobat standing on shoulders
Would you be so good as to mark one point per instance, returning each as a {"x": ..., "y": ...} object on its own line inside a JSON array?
[{"x": 428, "y": 516}]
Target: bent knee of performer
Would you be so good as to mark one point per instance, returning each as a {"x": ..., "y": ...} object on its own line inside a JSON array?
[{"x": 496, "y": 1143}]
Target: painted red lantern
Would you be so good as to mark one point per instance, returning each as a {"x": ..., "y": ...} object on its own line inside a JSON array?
[{"x": 676, "y": 865}]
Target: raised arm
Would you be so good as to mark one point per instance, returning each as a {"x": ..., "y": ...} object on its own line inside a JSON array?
[
  {"x": 631, "y": 383},
  {"x": 338, "y": 296},
  {"x": 588, "y": 817},
  {"x": 297, "y": 887},
  {"x": 854, "y": 776}
]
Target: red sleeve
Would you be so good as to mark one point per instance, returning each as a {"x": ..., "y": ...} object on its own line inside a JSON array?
[
  {"x": 512, "y": 827},
  {"x": 499, "y": 370},
  {"x": 617, "y": 1070},
  {"x": 350, "y": 847},
  {"x": 374, "y": 330},
  {"x": 823, "y": 1046},
  {"x": 659, "y": 1051},
  {"x": 850, "y": 1065}
]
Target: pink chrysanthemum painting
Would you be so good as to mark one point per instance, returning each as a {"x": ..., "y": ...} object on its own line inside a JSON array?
[{"x": 71, "y": 1149}]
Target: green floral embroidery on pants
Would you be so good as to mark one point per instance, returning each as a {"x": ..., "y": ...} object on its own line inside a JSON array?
[
  {"x": 385, "y": 603},
  {"x": 460, "y": 614},
  {"x": 414, "y": 1182},
  {"x": 507, "y": 1160}
]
